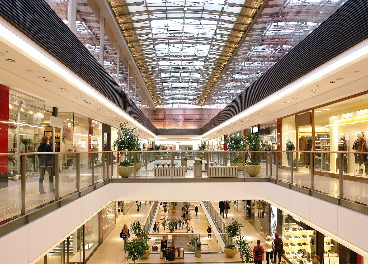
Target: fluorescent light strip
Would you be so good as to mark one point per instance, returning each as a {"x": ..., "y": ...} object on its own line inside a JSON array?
[
  {"x": 27, "y": 47},
  {"x": 356, "y": 53}
]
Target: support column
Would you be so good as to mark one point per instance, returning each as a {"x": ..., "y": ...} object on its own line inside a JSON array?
[
  {"x": 102, "y": 41},
  {"x": 72, "y": 16},
  {"x": 4, "y": 116}
]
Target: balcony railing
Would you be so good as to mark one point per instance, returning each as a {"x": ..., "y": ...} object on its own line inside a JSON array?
[{"x": 33, "y": 181}]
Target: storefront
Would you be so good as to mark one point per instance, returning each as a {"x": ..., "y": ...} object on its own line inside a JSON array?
[
  {"x": 341, "y": 126},
  {"x": 79, "y": 246}
]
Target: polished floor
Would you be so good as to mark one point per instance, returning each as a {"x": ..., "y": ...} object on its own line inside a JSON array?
[{"x": 111, "y": 251}]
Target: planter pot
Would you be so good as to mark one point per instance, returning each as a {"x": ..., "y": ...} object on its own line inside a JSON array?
[
  {"x": 148, "y": 252},
  {"x": 252, "y": 170},
  {"x": 200, "y": 156},
  {"x": 157, "y": 156},
  {"x": 240, "y": 165},
  {"x": 125, "y": 172},
  {"x": 138, "y": 166},
  {"x": 230, "y": 252}
]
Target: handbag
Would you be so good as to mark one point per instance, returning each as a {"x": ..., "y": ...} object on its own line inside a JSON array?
[{"x": 154, "y": 248}]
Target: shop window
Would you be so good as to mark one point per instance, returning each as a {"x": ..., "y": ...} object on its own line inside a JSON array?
[{"x": 288, "y": 141}]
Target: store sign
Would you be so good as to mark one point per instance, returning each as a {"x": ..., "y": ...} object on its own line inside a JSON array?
[
  {"x": 56, "y": 122},
  {"x": 37, "y": 118}
]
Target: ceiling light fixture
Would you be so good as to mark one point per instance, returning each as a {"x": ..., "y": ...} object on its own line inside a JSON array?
[
  {"x": 10, "y": 60},
  {"x": 41, "y": 77}
]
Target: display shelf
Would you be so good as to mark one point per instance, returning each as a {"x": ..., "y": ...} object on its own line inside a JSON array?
[{"x": 297, "y": 244}]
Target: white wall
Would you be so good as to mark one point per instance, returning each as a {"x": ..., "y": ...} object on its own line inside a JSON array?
[{"x": 346, "y": 226}]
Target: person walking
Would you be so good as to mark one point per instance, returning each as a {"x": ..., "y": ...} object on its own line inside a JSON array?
[
  {"x": 209, "y": 231},
  {"x": 158, "y": 227},
  {"x": 196, "y": 210},
  {"x": 154, "y": 227},
  {"x": 269, "y": 249},
  {"x": 164, "y": 223},
  {"x": 137, "y": 204},
  {"x": 179, "y": 223},
  {"x": 258, "y": 253},
  {"x": 176, "y": 224},
  {"x": 46, "y": 164},
  {"x": 278, "y": 248},
  {"x": 226, "y": 208},
  {"x": 124, "y": 234},
  {"x": 222, "y": 207}
]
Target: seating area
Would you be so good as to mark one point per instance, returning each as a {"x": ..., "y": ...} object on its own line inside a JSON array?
[
  {"x": 223, "y": 171},
  {"x": 176, "y": 171}
]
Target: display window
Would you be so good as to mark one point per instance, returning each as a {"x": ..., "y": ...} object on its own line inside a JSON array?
[
  {"x": 288, "y": 138},
  {"x": 299, "y": 240},
  {"x": 91, "y": 235},
  {"x": 343, "y": 126},
  {"x": 108, "y": 218}
]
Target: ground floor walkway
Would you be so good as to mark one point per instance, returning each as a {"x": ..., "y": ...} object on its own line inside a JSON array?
[{"x": 112, "y": 252}]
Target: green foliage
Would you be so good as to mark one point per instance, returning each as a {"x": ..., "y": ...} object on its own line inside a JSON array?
[
  {"x": 202, "y": 146},
  {"x": 230, "y": 246},
  {"x": 171, "y": 225},
  {"x": 157, "y": 147},
  {"x": 186, "y": 205},
  {"x": 254, "y": 143},
  {"x": 173, "y": 205},
  {"x": 192, "y": 242},
  {"x": 233, "y": 228},
  {"x": 246, "y": 252},
  {"x": 237, "y": 160},
  {"x": 235, "y": 142},
  {"x": 125, "y": 163},
  {"x": 136, "y": 248},
  {"x": 138, "y": 230},
  {"x": 137, "y": 161},
  {"x": 126, "y": 139},
  {"x": 252, "y": 163}
]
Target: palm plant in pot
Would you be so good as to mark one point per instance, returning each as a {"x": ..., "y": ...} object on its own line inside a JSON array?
[
  {"x": 201, "y": 147},
  {"x": 253, "y": 144},
  {"x": 235, "y": 142},
  {"x": 233, "y": 228},
  {"x": 126, "y": 141},
  {"x": 246, "y": 252}
]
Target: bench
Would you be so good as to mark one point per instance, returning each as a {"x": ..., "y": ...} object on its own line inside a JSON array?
[
  {"x": 166, "y": 171},
  {"x": 222, "y": 171}
]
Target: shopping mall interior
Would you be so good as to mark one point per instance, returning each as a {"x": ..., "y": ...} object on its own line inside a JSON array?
[{"x": 202, "y": 125}]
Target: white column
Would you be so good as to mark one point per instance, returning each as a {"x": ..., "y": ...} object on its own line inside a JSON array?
[
  {"x": 102, "y": 41},
  {"x": 72, "y": 15}
]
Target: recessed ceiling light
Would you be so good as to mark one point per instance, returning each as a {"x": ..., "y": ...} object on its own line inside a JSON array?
[
  {"x": 332, "y": 82},
  {"x": 317, "y": 111},
  {"x": 295, "y": 98},
  {"x": 325, "y": 109},
  {"x": 313, "y": 90},
  {"x": 339, "y": 79},
  {"x": 356, "y": 71},
  {"x": 10, "y": 60},
  {"x": 41, "y": 77},
  {"x": 287, "y": 101},
  {"x": 62, "y": 88}
]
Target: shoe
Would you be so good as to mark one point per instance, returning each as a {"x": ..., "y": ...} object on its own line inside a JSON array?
[{"x": 42, "y": 192}]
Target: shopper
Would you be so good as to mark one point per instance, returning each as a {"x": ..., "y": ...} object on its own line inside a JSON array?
[
  {"x": 196, "y": 210},
  {"x": 222, "y": 207},
  {"x": 137, "y": 204},
  {"x": 269, "y": 249},
  {"x": 124, "y": 234},
  {"x": 154, "y": 227},
  {"x": 258, "y": 253},
  {"x": 158, "y": 227},
  {"x": 278, "y": 248},
  {"x": 164, "y": 223},
  {"x": 179, "y": 223},
  {"x": 209, "y": 231},
  {"x": 176, "y": 224},
  {"x": 46, "y": 163},
  {"x": 164, "y": 247},
  {"x": 226, "y": 208},
  {"x": 316, "y": 259}
]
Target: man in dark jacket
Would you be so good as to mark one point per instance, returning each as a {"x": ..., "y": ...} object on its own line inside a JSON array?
[
  {"x": 196, "y": 210},
  {"x": 222, "y": 207},
  {"x": 279, "y": 248},
  {"x": 46, "y": 163}
]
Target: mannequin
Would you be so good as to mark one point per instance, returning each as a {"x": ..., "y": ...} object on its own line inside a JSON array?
[
  {"x": 360, "y": 145},
  {"x": 289, "y": 147},
  {"x": 342, "y": 146}
]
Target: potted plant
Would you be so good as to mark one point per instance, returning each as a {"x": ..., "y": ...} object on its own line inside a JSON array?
[
  {"x": 233, "y": 228},
  {"x": 141, "y": 233},
  {"x": 246, "y": 252},
  {"x": 125, "y": 168},
  {"x": 157, "y": 148},
  {"x": 138, "y": 164},
  {"x": 201, "y": 147},
  {"x": 173, "y": 206},
  {"x": 235, "y": 142},
  {"x": 253, "y": 143},
  {"x": 126, "y": 141},
  {"x": 192, "y": 242},
  {"x": 136, "y": 248},
  {"x": 171, "y": 225}
]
